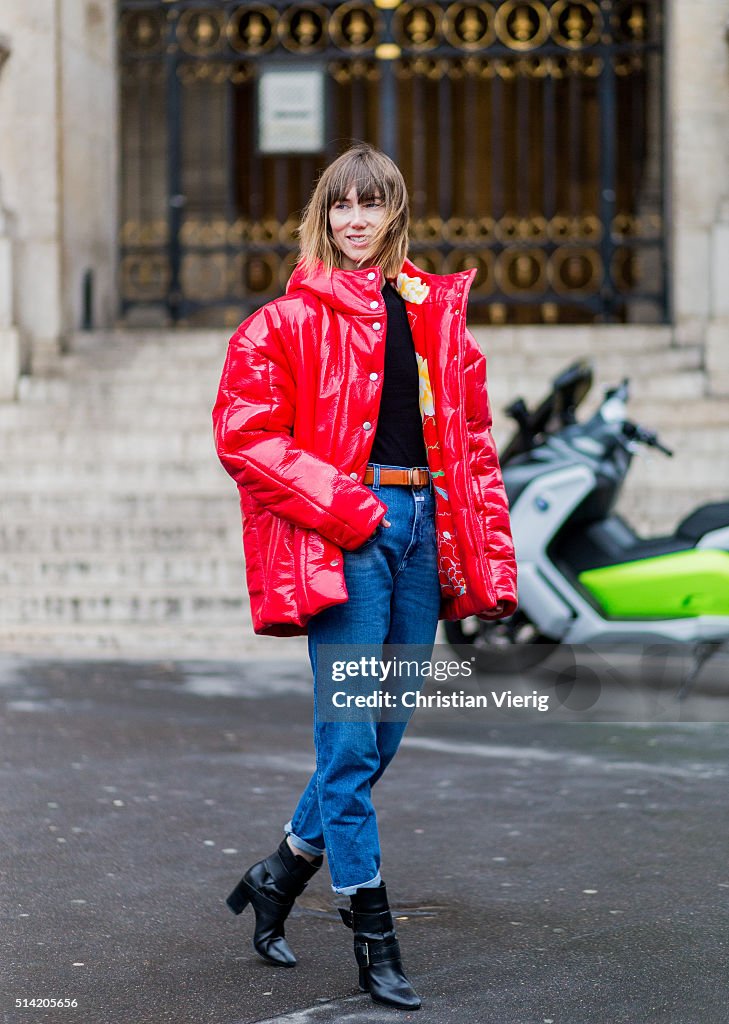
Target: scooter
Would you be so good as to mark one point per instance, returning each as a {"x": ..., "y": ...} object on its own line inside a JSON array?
[{"x": 585, "y": 576}]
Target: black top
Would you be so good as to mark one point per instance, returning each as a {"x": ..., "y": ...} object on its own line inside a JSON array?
[{"x": 399, "y": 436}]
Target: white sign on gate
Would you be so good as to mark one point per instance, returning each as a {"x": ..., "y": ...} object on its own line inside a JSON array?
[{"x": 291, "y": 110}]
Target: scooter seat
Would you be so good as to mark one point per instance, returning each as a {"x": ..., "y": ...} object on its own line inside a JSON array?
[
  {"x": 610, "y": 541},
  {"x": 704, "y": 520}
]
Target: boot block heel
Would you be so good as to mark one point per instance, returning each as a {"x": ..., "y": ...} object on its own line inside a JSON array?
[
  {"x": 239, "y": 898},
  {"x": 377, "y": 950},
  {"x": 271, "y": 886}
]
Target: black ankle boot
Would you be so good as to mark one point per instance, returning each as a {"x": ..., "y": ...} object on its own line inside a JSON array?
[
  {"x": 377, "y": 950},
  {"x": 272, "y": 886}
]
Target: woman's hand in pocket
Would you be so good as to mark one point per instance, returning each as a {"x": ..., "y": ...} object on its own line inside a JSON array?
[{"x": 372, "y": 540}]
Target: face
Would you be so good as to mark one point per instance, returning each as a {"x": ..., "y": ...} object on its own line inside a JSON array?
[{"x": 353, "y": 225}]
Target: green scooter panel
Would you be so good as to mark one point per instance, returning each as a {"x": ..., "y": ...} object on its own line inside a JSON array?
[{"x": 677, "y": 586}]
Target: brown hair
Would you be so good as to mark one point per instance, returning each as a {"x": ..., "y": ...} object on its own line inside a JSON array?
[{"x": 372, "y": 174}]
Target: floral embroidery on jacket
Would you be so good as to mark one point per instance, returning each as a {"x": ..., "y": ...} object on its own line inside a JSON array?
[
  {"x": 450, "y": 571},
  {"x": 425, "y": 392},
  {"x": 412, "y": 289}
]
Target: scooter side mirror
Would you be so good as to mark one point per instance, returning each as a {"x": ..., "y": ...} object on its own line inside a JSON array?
[
  {"x": 518, "y": 411},
  {"x": 621, "y": 392},
  {"x": 570, "y": 389}
]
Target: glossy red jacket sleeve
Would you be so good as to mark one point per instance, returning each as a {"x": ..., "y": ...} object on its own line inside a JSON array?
[
  {"x": 253, "y": 422},
  {"x": 486, "y": 473}
]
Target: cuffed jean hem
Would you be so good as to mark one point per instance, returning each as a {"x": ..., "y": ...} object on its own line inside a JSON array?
[
  {"x": 347, "y": 890},
  {"x": 301, "y": 844}
]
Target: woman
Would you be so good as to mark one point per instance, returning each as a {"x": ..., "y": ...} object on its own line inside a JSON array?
[{"x": 353, "y": 416}]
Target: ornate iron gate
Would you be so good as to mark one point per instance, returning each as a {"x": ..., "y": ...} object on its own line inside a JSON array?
[{"x": 530, "y": 134}]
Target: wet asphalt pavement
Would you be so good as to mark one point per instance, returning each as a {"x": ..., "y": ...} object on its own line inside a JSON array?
[{"x": 542, "y": 872}]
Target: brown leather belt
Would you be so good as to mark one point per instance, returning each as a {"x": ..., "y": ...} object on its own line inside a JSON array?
[{"x": 399, "y": 477}]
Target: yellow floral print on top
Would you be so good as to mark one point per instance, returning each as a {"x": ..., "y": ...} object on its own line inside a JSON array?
[
  {"x": 412, "y": 289},
  {"x": 425, "y": 392}
]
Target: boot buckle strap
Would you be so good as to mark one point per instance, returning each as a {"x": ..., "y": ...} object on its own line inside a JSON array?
[
  {"x": 383, "y": 952},
  {"x": 346, "y": 916},
  {"x": 362, "y": 953},
  {"x": 368, "y": 953}
]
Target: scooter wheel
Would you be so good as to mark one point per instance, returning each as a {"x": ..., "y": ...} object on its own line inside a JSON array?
[{"x": 507, "y": 646}]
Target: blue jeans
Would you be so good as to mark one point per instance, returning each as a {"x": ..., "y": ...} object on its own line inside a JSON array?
[{"x": 394, "y": 598}]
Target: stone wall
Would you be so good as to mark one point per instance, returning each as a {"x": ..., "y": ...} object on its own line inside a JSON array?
[
  {"x": 698, "y": 122},
  {"x": 59, "y": 176},
  {"x": 89, "y": 154},
  {"x": 58, "y": 165},
  {"x": 9, "y": 336},
  {"x": 29, "y": 163}
]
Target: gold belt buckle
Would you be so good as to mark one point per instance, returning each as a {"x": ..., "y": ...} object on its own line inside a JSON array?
[{"x": 412, "y": 471}]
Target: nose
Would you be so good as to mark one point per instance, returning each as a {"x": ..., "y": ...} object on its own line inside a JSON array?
[{"x": 358, "y": 217}]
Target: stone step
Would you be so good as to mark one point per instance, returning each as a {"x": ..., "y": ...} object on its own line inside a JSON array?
[
  {"x": 684, "y": 426},
  {"x": 139, "y": 493},
  {"x": 120, "y": 531},
  {"x": 144, "y": 640},
  {"x": 655, "y": 510},
  {"x": 199, "y": 370},
  {"x": 59, "y": 538},
  {"x": 206, "y": 570},
  {"x": 138, "y": 481},
  {"x": 113, "y": 417},
  {"x": 608, "y": 368},
  {"x": 109, "y": 443},
  {"x": 684, "y": 385},
  {"x": 104, "y": 352},
  {"x": 115, "y": 605},
  {"x": 135, "y": 498},
  {"x": 695, "y": 414},
  {"x": 651, "y": 489},
  {"x": 592, "y": 338},
  {"x": 148, "y": 381},
  {"x": 158, "y": 375},
  {"x": 117, "y": 350},
  {"x": 565, "y": 341},
  {"x": 49, "y": 391},
  {"x": 170, "y": 337},
  {"x": 116, "y": 412},
  {"x": 197, "y": 467},
  {"x": 685, "y": 441},
  {"x": 690, "y": 469},
  {"x": 77, "y": 472},
  {"x": 675, "y": 398},
  {"x": 569, "y": 343},
  {"x": 94, "y": 505}
]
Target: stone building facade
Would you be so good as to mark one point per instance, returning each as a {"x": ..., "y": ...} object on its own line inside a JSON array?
[
  {"x": 58, "y": 176},
  {"x": 65, "y": 144},
  {"x": 119, "y": 531}
]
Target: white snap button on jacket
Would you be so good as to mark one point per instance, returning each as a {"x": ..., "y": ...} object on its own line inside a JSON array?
[
  {"x": 374, "y": 304},
  {"x": 353, "y": 475},
  {"x": 334, "y": 563},
  {"x": 367, "y": 425},
  {"x": 373, "y": 376},
  {"x": 371, "y": 275},
  {"x": 376, "y": 325}
]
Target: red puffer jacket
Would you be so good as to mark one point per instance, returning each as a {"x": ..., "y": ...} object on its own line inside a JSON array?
[{"x": 294, "y": 422}]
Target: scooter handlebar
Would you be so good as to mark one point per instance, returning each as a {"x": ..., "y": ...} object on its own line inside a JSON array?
[{"x": 647, "y": 437}]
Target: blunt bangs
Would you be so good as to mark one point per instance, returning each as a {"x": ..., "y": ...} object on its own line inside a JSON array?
[
  {"x": 358, "y": 177},
  {"x": 373, "y": 176}
]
